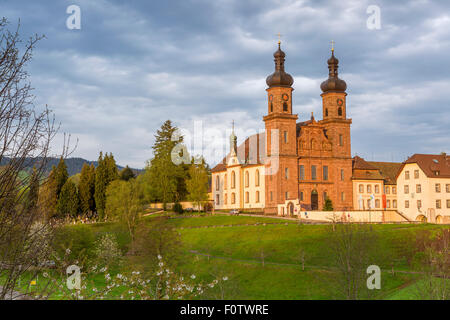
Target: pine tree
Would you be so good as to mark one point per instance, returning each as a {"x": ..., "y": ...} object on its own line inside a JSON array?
[
  {"x": 48, "y": 196},
  {"x": 166, "y": 178},
  {"x": 328, "y": 206},
  {"x": 61, "y": 176},
  {"x": 197, "y": 184},
  {"x": 68, "y": 202},
  {"x": 126, "y": 174},
  {"x": 105, "y": 173},
  {"x": 87, "y": 189},
  {"x": 32, "y": 196}
]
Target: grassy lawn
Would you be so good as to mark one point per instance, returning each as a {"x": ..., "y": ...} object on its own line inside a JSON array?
[{"x": 233, "y": 249}]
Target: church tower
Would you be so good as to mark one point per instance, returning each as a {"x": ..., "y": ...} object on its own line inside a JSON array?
[
  {"x": 281, "y": 144},
  {"x": 337, "y": 129}
]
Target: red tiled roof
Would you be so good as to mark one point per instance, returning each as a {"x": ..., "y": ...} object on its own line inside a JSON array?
[
  {"x": 388, "y": 170},
  {"x": 433, "y": 165},
  {"x": 361, "y": 164}
]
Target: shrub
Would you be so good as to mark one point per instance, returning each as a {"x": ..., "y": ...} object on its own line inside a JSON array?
[
  {"x": 107, "y": 251},
  {"x": 178, "y": 208}
]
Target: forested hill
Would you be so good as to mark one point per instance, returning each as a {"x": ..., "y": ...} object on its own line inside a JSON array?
[{"x": 74, "y": 165}]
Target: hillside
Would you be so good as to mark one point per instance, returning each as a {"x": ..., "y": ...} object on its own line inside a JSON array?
[{"x": 74, "y": 165}]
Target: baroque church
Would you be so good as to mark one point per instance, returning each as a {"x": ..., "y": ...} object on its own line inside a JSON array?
[{"x": 294, "y": 165}]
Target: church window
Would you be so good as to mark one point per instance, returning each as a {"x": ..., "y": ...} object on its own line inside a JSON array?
[
  {"x": 326, "y": 112},
  {"x": 325, "y": 173},
  {"x": 233, "y": 180},
  {"x": 247, "y": 178},
  {"x": 285, "y": 107},
  {"x": 285, "y": 136},
  {"x": 302, "y": 172},
  {"x": 217, "y": 199},
  {"x": 286, "y": 194},
  {"x": 233, "y": 198},
  {"x": 257, "y": 196},
  {"x": 286, "y": 173},
  {"x": 217, "y": 182},
  {"x": 257, "y": 178},
  {"x": 301, "y": 195},
  {"x": 247, "y": 197},
  {"x": 342, "y": 196},
  {"x": 341, "y": 140},
  {"x": 313, "y": 173},
  {"x": 339, "y": 111},
  {"x": 271, "y": 107},
  {"x": 342, "y": 175}
]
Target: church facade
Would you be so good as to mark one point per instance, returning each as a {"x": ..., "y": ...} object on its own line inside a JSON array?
[{"x": 294, "y": 165}]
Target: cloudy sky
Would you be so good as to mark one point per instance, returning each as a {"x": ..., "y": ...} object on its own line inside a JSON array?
[{"x": 202, "y": 63}]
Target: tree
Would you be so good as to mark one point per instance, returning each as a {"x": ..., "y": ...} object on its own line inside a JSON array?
[
  {"x": 328, "y": 205},
  {"x": 61, "y": 176},
  {"x": 86, "y": 189},
  {"x": 33, "y": 191},
  {"x": 353, "y": 248},
  {"x": 167, "y": 178},
  {"x": 68, "y": 202},
  {"x": 48, "y": 200},
  {"x": 126, "y": 174},
  {"x": 105, "y": 173},
  {"x": 197, "y": 184},
  {"x": 123, "y": 203},
  {"x": 26, "y": 133}
]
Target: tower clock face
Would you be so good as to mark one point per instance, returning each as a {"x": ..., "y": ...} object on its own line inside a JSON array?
[
  {"x": 285, "y": 97},
  {"x": 340, "y": 102}
]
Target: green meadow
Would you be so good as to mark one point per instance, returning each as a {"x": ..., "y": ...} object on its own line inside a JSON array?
[{"x": 233, "y": 246}]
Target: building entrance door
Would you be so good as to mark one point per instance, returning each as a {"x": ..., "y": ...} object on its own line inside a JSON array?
[{"x": 314, "y": 200}]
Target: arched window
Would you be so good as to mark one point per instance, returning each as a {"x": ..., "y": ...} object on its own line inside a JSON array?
[
  {"x": 257, "y": 196},
  {"x": 233, "y": 198},
  {"x": 285, "y": 107},
  {"x": 257, "y": 178},
  {"x": 246, "y": 178},
  {"x": 217, "y": 183},
  {"x": 326, "y": 112},
  {"x": 339, "y": 111},
  {"x": 233, "y": 180},
  {"x": 247, "y": 197}
]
